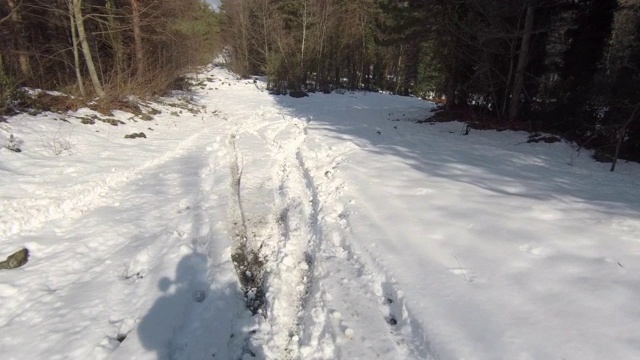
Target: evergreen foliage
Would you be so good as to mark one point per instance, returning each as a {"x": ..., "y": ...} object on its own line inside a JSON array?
[{"x": 565, "y": 66}]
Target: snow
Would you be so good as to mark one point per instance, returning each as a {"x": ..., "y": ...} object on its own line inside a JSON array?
[{"x": 377, "y": 237}]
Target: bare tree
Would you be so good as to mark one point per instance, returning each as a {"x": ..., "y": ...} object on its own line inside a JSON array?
[
  {"x": 137, "y": 37},
  {"x": 238, "y": 28},
  {"x": 523, "y": 59},
  {"x": 86, "y": 50},
  {"x": 305, "y": 24},
  {"x": 114, "y": 34},
  {"x": 12, "y": 10},
  {"x": 18, "y": 43},
  {"x": 74, "y": 46},
  {"x": 324, "y": 9}
]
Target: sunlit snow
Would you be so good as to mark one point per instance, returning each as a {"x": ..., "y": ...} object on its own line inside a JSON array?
[{"x": 378, "y": 237}]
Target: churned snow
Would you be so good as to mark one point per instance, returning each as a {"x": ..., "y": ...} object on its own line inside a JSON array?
[{"x": 377, "y": 237}]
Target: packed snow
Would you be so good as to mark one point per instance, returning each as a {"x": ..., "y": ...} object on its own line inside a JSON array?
[{"x": 355, "y": 233}]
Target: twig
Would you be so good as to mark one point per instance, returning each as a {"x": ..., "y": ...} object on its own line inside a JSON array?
[{"x": 464, "y": 275}]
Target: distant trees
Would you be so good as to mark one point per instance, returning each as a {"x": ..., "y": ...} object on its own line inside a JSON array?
[
  {"x": 17, "y": 46},
  {"x": 569, "y": 66},
  {"x": 300, "y": 42},
  {"x": 120, "y": 47}
]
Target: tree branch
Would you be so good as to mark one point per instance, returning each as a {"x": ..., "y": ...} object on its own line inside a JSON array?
[{"x": 11, "y": 13}]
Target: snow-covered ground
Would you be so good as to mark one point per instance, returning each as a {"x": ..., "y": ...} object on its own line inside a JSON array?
[{"x": 368, "y": 235}]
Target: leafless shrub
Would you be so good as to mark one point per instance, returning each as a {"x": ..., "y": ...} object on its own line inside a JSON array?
[{"x": 60, "y": 142}]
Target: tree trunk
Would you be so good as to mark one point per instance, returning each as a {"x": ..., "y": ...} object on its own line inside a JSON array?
[
  {"x": 322, "y": 34},
  {"x": 116, "y": 38},
  {"x": 86, "y": 51},
  {"x": 398, "y": 66},
  {"x": 23, "y": 59},
  {"x": 244, "y": 28},
  {"x": 505, "y": 99},
  {"x": 621, "y": 135},
  {"x": 304, "y": 31},
  {"x": 137, "y": 37},
  {"x": 523, "y": 59},
  {"x": 74, "y": 46},
  {"x": 450, "y": 85},
  {"x": 265, "y": 34}
]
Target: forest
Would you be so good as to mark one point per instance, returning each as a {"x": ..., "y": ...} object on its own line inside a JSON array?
[
  {"x": 104, "y": 49},
  {"x": 569, "y": 67}
]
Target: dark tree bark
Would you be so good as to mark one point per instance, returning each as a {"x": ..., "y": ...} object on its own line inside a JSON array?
[
  {"x": 137, "y": 37},
  {"x": 18, "y": 43},
  {"x": 523, "y": 59}
]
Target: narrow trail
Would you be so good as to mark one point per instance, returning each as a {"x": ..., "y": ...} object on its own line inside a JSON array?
[
  {"x": 290, "y": 260},
  {"x": 344, "y": 275},
  {"x": 300, "y": 268},
  {"x": 327, "y": 227},
  {"x": 311, "y": 290},
  {"x": 234, "y": 244},
  {"x": 272, "y": 220},
  {"x": 246, "y": 257}
]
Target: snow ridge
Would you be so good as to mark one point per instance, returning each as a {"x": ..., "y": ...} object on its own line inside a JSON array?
[
  {"x": 273, "y": 222},
  {"x": 331, "y": 321},
  {"x": 29, "y": 214},
  {"x": 303, "y": 280},
  {"x": 289, "y": 271}
]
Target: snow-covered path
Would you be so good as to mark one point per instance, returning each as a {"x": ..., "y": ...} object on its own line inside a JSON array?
[{"x": 330, "y": 227}]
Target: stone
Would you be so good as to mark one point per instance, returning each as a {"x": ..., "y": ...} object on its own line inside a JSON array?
[{"x": 15, "y": 260}]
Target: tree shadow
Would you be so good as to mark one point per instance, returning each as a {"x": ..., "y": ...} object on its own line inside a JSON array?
[
  {"x": 492, "y": 176},
  {"x": 386, "y": 125}
]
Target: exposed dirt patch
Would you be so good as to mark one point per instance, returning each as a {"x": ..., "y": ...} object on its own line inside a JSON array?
[
  {"x": 54, "y": 103},
  {"x": 249, "y": 267},
  {"x": 106, "y": 106},
  {"x": 246, "y": 260}
]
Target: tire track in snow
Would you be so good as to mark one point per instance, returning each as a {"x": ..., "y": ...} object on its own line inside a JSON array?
[
  {"x": 279, "y": 235},
  {"x": 245, "y": 256},
  {"x": 347, "y": 283},
  {"x": 210, "y": 330},
  {"x": 30, "y": 214},
  {"x": 290, "y": 262},
  {"x": 315, "y": 282},
  {"x": 253, "y": 224}
]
